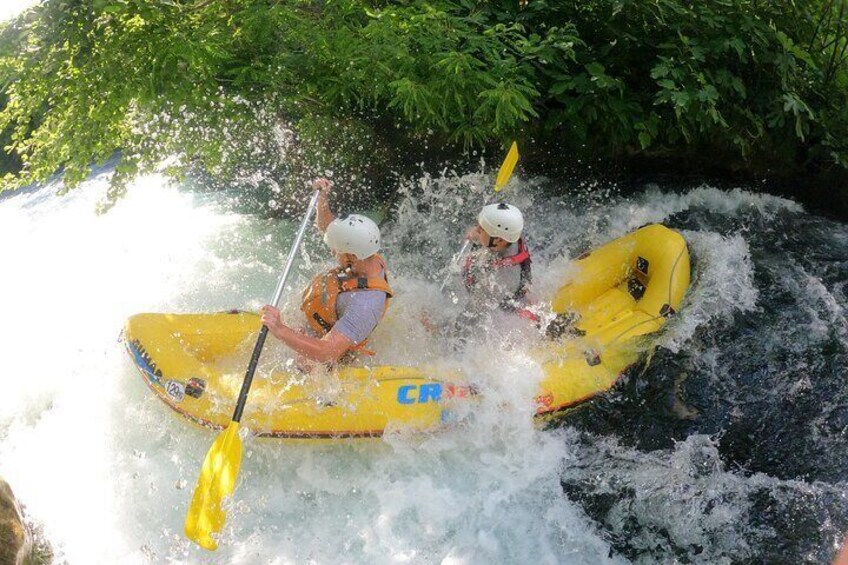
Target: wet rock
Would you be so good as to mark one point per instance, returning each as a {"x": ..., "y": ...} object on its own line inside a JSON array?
[{"x": 16, "y": 546}]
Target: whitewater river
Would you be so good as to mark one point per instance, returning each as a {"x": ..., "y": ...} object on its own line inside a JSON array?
[{"x": 729, "y": 446}]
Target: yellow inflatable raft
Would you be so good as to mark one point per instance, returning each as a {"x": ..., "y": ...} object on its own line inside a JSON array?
[{"x": 619, "y": 293}]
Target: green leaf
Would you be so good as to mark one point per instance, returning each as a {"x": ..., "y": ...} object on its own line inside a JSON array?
[{"x": 595, "y": 69}]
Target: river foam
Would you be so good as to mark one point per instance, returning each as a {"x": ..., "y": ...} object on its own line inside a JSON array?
[{"x": 108, "y": 469}]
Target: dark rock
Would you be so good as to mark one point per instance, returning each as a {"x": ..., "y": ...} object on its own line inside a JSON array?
[{"x": 16, "y": 547}]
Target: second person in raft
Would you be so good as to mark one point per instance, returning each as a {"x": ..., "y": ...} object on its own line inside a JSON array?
[
  {"x": 497, "y": 274},
  {"x": 345, "y": 304}
]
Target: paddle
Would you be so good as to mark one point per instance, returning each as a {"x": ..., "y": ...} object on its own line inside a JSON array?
[
  {"x": 221, "y": 467},
  {"x": 503, "y": 177}
]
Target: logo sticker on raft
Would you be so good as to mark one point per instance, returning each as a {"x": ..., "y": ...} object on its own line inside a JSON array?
[
  {"x": 145, "y": 362},
  {"x": 178, "y": 391},
  {"x": 431, "y": 392},
  {"x": 175, "y": 390}
]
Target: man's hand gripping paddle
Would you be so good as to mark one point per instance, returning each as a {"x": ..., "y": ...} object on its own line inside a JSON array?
[{"x": 220, "y": 469}]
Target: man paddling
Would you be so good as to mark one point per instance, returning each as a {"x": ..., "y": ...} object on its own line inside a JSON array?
[
  {"x": 497, "y": 272},
  {"x": 343, "y": 305}
]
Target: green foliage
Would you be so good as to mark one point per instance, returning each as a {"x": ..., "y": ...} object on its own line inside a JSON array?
[
  {"x": 725, "y": 78},
  {"x": 211, "y": 84}
]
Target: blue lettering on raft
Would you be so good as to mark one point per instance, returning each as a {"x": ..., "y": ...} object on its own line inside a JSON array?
[
  {"x": 432, "y": 392},
  {"x": 425, "y": 393},
  {"x": 145, "y": 362},
  {"x": 403, "y": 394},
  {"x": 429, "y": 392}
]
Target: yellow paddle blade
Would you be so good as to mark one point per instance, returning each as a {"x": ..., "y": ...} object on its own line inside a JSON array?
[
  {"x": 507, "y": 167},
  {"x": 217, "y": 481}
]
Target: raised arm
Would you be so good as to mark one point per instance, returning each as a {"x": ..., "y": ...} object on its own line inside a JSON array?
[{"x": 324, "y": 215}]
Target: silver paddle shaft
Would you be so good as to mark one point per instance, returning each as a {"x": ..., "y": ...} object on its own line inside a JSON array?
[
  {"x": 456, "y": 259},
  {"x": 263, "y": 333},
  {"x": 293, "y": 251}
]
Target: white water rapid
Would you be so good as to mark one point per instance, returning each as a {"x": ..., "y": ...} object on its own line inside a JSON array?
[{"x": 108, "y": 470}]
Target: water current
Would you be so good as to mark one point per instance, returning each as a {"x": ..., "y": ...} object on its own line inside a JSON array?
[{"x": 727, "y": 446}]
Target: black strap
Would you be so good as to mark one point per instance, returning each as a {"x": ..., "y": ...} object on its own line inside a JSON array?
[{"x": 322, "y": 322}]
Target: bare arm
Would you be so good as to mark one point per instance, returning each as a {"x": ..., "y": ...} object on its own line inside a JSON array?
[
  {"x": 324, "y": 215},
  {"x": 842, "y": 557},
  {"x": 328, "y": 349}
]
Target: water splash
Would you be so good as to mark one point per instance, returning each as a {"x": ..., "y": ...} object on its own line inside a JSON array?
[{"x": 78, "y": 429}]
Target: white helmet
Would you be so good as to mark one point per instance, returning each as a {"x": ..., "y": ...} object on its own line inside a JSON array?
[
  {"x": 355, "y": 234},
  {"x": 502, "y": 220}
]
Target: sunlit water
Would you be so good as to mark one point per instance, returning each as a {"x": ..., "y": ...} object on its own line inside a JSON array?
[{"x": 728, "y": 446}]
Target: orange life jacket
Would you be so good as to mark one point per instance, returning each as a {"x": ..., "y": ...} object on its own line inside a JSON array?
[{"x": 319, "y": 298}]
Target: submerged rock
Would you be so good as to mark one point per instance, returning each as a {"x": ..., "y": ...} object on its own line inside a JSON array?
[{"x": 16, "y": 547}]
